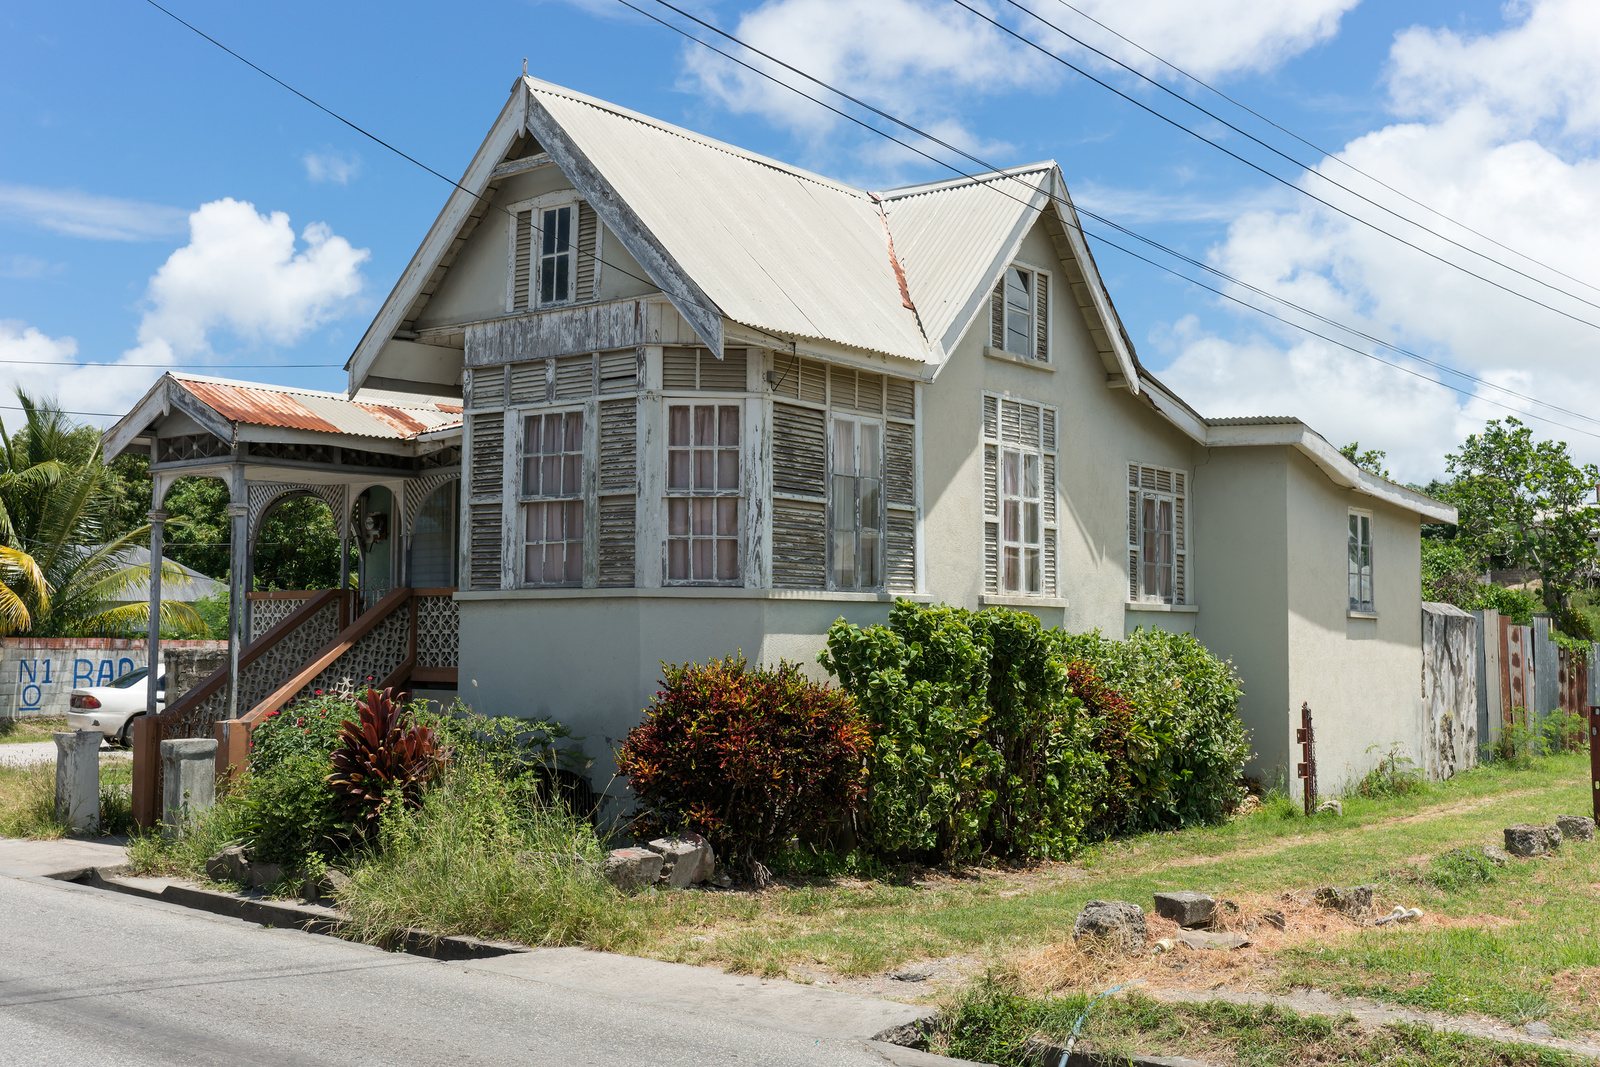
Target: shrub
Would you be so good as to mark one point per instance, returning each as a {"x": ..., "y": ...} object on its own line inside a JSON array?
[
  {"x": 747, "y": 757},
  {"x": 383, "y": 759},
  {"x": 525, "y": 753},
  {"x": 304, "y": 728},
  {"x": 287, "y": 812},
  {"x": 1185, "y": 747},
  {"x": 977, "y": 745}
]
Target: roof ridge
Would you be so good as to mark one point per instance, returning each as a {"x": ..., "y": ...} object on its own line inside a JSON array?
[
  {"x": 965, "y": 181},
  {"x": 698, "y": 138}
]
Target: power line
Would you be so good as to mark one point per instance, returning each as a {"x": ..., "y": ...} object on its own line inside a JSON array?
[
  {"x": 992, "y": 182},
  {"x": 183, "y": 366},
  {"x": 380, "y": 141},
  {"x": 1286, "y": 183},
  {"x": 1318, "y": 149}
]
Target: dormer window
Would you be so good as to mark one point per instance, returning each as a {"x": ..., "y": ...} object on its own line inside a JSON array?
[
  {"x": 554, "y": 253},
  {"x": 1019, "y": 313}
]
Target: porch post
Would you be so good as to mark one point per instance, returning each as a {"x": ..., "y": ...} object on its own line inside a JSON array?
[
  {"x": 238, "y": 590},
  {"x": 344, "y": 538},
  {"x": 158, "y": 523}
]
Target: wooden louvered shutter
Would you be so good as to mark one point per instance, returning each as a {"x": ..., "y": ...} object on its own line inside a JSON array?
[
  {"x": 1180, "y": 539},
  {"x": 587, "y": 265},
  {"x": 997, "y": 314},
  {"x": 799, "y": 509},
  {"x": 991, "y": 518},
  {"x": 1162, "y": 484},
  {"x": 1047, "y": 493},
  {"x": 618, "y": 489},
  {"x": 900, "y": 485},
  {"x": 486, "y": 502},
  {"x": 1041, "y": 318},
  {"x": 486, "y": 387},
  {"x": 1133, "y": 531},
  {"x": 574, "y": 377},
  {"x": 521, "y": 260}
]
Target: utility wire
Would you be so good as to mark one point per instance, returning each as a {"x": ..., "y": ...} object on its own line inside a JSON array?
[
  {"x": 380, "y": 141},
  {"x": 182, "y": 366},
  {"x": 1285, "y": 182},
  {"x": 1319, "y": 149},
  {"x": 997, "y": 176}
]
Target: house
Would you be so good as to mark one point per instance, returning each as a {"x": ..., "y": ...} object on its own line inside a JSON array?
[{"x": 672, "y": 399}]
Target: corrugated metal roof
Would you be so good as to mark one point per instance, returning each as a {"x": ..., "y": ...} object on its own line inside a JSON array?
[
  {"x": 948, "y": 235},
  {"x": 1254, "y": 420},
  {"x": 306, "y": 409},
  {"x": 774, "y": 247}
]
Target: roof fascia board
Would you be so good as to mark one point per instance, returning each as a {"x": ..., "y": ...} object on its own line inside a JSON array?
[
  {"x": 978, "y": 299},
  {"x": 506, "y": 126},
  {"x": 697, "y": 309},
  {"x": 1175, "y": 411},
  {"x": 151, "y": 406},
  {"x": 1061, "y": 200},
  {"x": 891, "y": 195},
  {"x": 1339, "y": 470}
]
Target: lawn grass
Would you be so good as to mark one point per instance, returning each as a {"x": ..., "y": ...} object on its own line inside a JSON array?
[
  {"x": 28, "y": 800},
  {"x": 17, "y": 731},
  {"x": 995, "y": 1025},
  {"x": 1525, "y": 945}
]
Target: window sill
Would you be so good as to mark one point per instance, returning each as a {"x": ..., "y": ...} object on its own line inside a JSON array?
[
  {"x": 1353, "y": 614},
  {"x": 1136, "y": 605},
  {"x": 1011, "y": 357},
  {"x": 1020, "y": 600}
]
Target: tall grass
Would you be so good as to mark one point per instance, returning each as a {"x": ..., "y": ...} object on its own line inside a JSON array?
[
  {"x": 28, "y": 802},
  {"x": 482, "y": 859}
]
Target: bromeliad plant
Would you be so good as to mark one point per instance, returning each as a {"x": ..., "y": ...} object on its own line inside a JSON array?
[{"x": 383, "y": 759}]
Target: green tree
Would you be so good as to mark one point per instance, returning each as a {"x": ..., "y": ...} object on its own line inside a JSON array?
[
  {"x": 1525, "y": 503},
  {"x": 1370, "y": 461}
]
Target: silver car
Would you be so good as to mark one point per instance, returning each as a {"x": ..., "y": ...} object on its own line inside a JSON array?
[{"x": 112, "y": 708}]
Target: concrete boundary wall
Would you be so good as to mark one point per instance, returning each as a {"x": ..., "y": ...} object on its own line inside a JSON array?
[{"x": 38, "y": 674}]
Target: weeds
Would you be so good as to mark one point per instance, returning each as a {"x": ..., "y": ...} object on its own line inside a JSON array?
[
  {"x": 1394, "y": 776},
  {"x": 1459, "y": 868},
  {"x": 28, "y": 800},
  {"x": 22, "y": 731}
]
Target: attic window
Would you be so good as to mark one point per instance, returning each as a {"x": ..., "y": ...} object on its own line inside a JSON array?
[
  {"x": 1019, "y": 313},
  {"x": 554, "y": 254}
]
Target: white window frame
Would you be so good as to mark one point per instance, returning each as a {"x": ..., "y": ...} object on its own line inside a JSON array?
[
  {"x": 538, "y": 205},
  {"x": 691, "y": 493},
  {"x": 1048, "y": 499},
  {"x": 1144, "y": 490},
  {"x": 1040, "y": 278},
  {"x": 1360, "y": 520},
  {"x": 526, "y": 500},
  {"x": 879, "y": 558}
]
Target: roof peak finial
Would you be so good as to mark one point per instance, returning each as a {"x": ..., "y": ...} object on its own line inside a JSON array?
[{"x": 524, "y": 66}]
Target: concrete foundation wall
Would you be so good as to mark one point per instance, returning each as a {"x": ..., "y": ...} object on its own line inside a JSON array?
[{"x": 38, "y": 674}]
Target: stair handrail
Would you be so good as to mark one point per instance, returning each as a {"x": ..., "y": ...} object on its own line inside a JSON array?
[{"x": 148, "y": 730}]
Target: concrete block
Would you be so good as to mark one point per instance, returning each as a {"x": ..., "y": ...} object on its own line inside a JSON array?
[
  {"x": 685, "y": 859},
  {"x": 188, "y": 780},
  {"x": 1577, "y": 827},
  {"x": 229, "y": 865},
  {"x": 630, "y": 869},
  {"x": 1116, "y": 923},
  {"x": 1356, "y": 901},
  {"x": 1186, "y": 908},
  {"x": 78, "y": 779}
]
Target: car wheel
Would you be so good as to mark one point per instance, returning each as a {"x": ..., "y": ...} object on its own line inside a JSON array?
[{"x": 125, "y": 735}]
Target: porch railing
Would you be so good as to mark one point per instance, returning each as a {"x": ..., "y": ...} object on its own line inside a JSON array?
[
  {"x": 263, "y": 665},
  {"x": 409, "y": 636},
  {"x": 267, "y": 609}
]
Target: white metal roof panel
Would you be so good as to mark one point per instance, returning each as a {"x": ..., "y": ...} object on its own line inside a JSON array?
[{"x": 774, "y": 247}]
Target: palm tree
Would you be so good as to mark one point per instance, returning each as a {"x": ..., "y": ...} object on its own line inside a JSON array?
[{"x": 60, "y": 573}]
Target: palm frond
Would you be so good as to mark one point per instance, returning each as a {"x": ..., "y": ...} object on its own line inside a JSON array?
[{"x": 133, "y": 618}]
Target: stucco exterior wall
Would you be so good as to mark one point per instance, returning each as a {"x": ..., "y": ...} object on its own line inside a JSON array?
[
  {"x": 1361, "y": 676},
  {"x": 1241, "y": 562},
  {"x": 1099, "y": 431},
  {"x": 591, "y": 658}
]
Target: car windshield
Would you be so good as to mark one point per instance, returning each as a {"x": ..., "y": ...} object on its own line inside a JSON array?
[{"x": 131, "y": 679}]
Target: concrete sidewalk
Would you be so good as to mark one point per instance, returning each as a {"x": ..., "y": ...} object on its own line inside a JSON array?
[{"x": 66, "y": 856}]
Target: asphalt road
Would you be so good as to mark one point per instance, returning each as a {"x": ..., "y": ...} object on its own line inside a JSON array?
[{"x": 89, "y": 977}]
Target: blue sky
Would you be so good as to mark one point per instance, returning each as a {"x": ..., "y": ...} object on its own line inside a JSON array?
[{"x": 162, "y": 203}]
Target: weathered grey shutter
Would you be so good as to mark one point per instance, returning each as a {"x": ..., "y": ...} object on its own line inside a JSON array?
[
  {"x": 900, "y": 494},
  {"x": 574, "y": 377},
  {"x": 618, "y": 488},
  {"x": 901, "y": 399},
  {"x": 522, "y": 261},
  {"x": 680, "y": 369},
  {"x": 799, "y": 451},
  {"x": 619, "y": 371},
  {"x": 726, "y": 374},
  {"x": 1041, "y": 318},
  {"x": 587, "y": 267},
  {"x": 800, "y": 379},
  {"x": 997, "y": 314},
  {"x": 1133, "y": 531},
  {"x": 485, "y": 473},
  {"x": 1180, "y": 539},
  {"x": 486, "y": 387},
  {"x": 900, "y": 537},
  {"x": 991, "y": 418},
  {"x": 899, "y": 474},
  {"x": 991, "y": 512},
  {"x": 799, "y": 544},
  {"x": 529, "y": 382}
]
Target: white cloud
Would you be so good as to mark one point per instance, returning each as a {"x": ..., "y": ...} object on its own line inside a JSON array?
[
  {"x": 1210, "y": 40},
  {"x": 1482, "y": 152},
  {"x": 241, "y": 272},
  {"x": 44, "y": 366},
  {"x": 331, "y": 166},
  {"x": 80, "y": 214}
]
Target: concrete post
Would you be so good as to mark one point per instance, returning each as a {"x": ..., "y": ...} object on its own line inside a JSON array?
[
  {"x": 188, "y": 780},
  {"x": 78, "y": 779},
  {"x": 158, "y": 527}
]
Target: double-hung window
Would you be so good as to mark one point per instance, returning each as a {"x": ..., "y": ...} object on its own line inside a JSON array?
[
  {"x": 703, "y": 493},
  {"x": 1360, "y": 561},
  {"x": 1019, "y": 313},
  {"x": 1158, "y": 538},
  {"x": 1019, "y": 492},
  {"x": 545, "y": 265},
  {"x": 552, "y": 491},
  {"x": 856, "y": 504}
]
